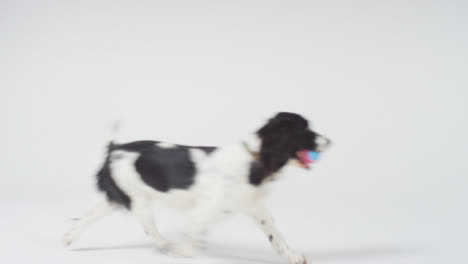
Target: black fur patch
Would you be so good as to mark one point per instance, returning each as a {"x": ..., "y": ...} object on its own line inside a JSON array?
[
  {"x": 270, "y": 237},
  {"x": 106, "y": 184},
  {"x": 257, "y": 174},
  {"x": 164, "y": 168}
]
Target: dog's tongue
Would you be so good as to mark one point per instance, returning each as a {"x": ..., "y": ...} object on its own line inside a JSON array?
[{"x": 309, "y": 156}]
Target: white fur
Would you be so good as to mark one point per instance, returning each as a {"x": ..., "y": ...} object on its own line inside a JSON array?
[
  {"x": 198, "y": 155},
  {"x": 165, "y": 145},
  {"x": 222, "y": 174},
  {"x": 322, "y": 142},
  {"x": 99, "y": 210}
]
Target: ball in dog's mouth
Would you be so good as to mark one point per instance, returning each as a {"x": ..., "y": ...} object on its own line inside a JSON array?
[{"x": 307, "y": 157}]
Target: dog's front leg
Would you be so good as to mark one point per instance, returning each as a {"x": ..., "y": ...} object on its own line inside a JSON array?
[{"x": 264, "y": 220}]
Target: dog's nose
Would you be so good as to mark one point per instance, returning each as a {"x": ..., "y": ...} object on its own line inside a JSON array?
[{"x": 323, "y": 143}]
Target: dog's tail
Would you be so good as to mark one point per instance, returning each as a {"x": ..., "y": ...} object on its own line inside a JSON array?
[
  {"x": 105, "y": 182},
  {"x": 113, "y": 133}
]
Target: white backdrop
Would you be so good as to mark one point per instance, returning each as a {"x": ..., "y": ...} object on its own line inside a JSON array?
[{"x": 385, "y": 80}]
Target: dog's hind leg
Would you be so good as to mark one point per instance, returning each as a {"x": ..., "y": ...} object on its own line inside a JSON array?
[
  {"x": 142, "y": 209},
  {"x": 100, "y": 209},
  {"x": 198, "y": 221}
]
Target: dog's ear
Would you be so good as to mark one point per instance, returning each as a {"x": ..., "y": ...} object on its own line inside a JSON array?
[{"x": 277, "y": 142}]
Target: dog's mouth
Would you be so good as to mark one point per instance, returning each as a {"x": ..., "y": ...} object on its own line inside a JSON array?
[{"x": 306, "y": 157}]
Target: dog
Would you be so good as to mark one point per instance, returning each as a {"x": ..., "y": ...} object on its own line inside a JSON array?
[{"x": 207, "y": 183}]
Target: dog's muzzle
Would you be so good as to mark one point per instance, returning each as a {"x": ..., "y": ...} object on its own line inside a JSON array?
[{"x": 323, "y": 143}]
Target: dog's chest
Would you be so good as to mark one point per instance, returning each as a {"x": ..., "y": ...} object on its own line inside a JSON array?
[{"x": 228, "y": 187}]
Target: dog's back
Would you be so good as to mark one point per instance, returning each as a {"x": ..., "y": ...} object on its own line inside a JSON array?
[{"x": 161, "y": 166}]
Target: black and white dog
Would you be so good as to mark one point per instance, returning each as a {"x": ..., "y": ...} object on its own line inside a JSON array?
[{"x": 207, "y": 183}]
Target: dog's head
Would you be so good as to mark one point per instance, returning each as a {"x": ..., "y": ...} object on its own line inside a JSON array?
[{"x": 283, "y": 137}]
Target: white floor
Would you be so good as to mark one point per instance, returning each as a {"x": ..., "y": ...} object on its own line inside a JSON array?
[{"x": 31, "y": 233}]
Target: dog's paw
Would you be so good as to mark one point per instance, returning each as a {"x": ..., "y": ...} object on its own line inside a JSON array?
[
  {"x": 182, "y": 251},
  {"x": 163, "y": 245},
  {"x": 68, "y": 238},
  {"x": 297, "y": 259}
]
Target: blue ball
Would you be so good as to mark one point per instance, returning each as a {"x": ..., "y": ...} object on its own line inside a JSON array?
[{"x": 314, "y": 155}]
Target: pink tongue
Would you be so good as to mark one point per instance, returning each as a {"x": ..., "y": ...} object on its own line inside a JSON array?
[{"x": 304, "y": 155}]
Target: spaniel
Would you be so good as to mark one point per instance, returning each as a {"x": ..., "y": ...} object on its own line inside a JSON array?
[{"x": 207, "y": 183}]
